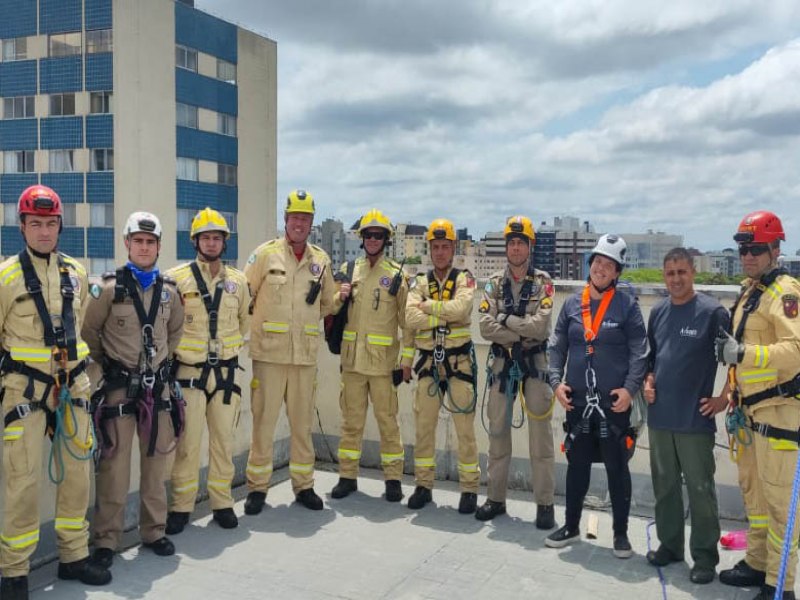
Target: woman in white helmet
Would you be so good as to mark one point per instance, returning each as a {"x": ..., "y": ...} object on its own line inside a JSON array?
[{"x": 600, "y": 337}]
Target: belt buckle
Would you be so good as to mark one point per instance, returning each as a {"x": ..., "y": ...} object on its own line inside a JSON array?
[
  {"x": 763, "y": 428},
  {"x": 120, "y": 408},
  {"x": 23, "y": 410}
]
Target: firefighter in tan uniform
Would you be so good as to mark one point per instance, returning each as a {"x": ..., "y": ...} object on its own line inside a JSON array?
[
  {"x": 217, "y": 301},
  {"x": 292, "y": 288},
  {"x": 439, "y": 309},
  {"x": 763, "y": 354},
  {"x": 133, "y": 325},
  {"x": 370, "y": 352},
  {"x": 43, "y": 370},
  {"x": 515, "y": 317}
]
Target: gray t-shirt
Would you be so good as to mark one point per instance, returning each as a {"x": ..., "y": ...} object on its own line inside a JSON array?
[{"x": 681, "y": 340}]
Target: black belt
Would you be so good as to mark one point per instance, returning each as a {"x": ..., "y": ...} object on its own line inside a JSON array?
[
  {"x": 788, "y": 389},
  {"x": 21, "y": 411},
  {"x": 9, "y": 365},
  {"x": 524, "y": 357},
  {"x": 424, "y": 355},
  {"x": 775, "y": 432},
  {"x": 227, "y": 384}
]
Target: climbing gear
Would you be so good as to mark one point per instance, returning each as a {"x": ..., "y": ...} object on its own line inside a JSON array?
[{"x": 444, "y": 366}]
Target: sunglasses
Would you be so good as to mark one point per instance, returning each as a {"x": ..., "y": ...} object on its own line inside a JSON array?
[
  {"x": 373, "y": 235},
  {"x": 753, "y": 249}
]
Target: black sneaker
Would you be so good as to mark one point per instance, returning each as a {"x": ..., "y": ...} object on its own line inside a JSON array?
[
  {"x": 490, "y": 509},
  {"x": 162, "y": 546},
  {"x": 103, "y": 557},
  {"x": 562, "y": 537},
  {"x": 14, "y": 588},
  {"x": 767, "y": 593},
  {"x": 742, "y": 575},
  {"x": 545, "y": 516},
  {"x": 254, "y": 503},
  {"x": 394, "y": 493},
  {"x": 85, "y": 571},
  {"x": 176, "y": 521},
  {"x": 419, "y": 498},
  {"x": 622, "y": 547},
  {"x": 344, "y": 488},
  {"x": 468, "y": 503},
  {"x": 662, "y": 557},
  {"x": 702, "y": 575},
  {"x": 309, "y": 499},
  {"x": 225, "y": 518}
]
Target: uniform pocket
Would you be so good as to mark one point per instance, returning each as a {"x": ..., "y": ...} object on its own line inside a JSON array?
[{"x": 15, "y": 453}]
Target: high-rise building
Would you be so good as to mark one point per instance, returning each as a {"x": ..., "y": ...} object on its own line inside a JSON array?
[{"x": 124, "y": 105}]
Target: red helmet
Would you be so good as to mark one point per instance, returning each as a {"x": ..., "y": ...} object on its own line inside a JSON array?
[
  {"x": 760, "y": 227},
  {"x": 41, "y": 201}
]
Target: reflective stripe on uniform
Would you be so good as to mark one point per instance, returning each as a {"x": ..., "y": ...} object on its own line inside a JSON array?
[
  {"x": 775, "y": 290},
  {"x": 777, "y": 540},
  {"x": 21, "y": 541},
  {"x": 762, "y": 356},
  {"x": 468, "y": 467},
  {"x": 379, "y": 340},
  {"x": 251, "y": 468},
  {"x": 271, "y": 327},
  {"x": 758, "y": 521},
  {"x": 390, "y": 458},
  {"x": 311, "y": 329},
  {"x": 459, "y": 332},
  {"x": 187, "y": 344},
  {"x": 757, "y": 375},
  {"x": 219, "y": 484},
  {"x": 349, "y": 454},
  {"x": 424, "y": 334},
  {"x": 349, "y": 336},
  {"x": 301, "y": 467},
  {"x": 425, "y": 462},
  {"x": 13, "y": 432},
  {"x": 38, "y": 354},
  {"x": 232, "y": 341},
  {"x": 10, "y": 273},
  {"x": 187, "y": 487},
  {"x": 408, "y": 352},
  {"x": 433, "y": 321},
  {"x": 67, "y": 523}
]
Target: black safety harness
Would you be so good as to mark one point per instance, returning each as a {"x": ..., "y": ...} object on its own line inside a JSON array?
[
  {"x": 788, "y": 389},
  {"x": 146, "y": 383},
  {"x": 59, "y": 335},
  {"x": 226, "y": 383}
]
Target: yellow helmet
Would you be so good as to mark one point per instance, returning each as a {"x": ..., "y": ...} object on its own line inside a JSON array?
[
  {"x": 441, "y": 229},
  {"x": 375, "y": 218},
  {"x": 520, "y": 225},
  {"x": 209, "y": 219},
  {"x": 300, "y": 201}
]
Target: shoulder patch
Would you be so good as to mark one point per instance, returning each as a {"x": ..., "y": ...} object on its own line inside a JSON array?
[
  {"x": 251, "y": 259},
  {"x": 790, "y": 308},
  {"x": 412, "y": 283},
  {"x": 95, "y": 290},
  {"x": 489, "y": 287},
  {"x": 484, "y": 306},
  {"x": 547, "y": 302},
  {"x": 549, "y": 290}
]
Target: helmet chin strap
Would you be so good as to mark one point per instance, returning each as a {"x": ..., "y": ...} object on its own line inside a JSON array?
[
  {"x": 368, "y": 253},
  {"x": 606, "y": 288},
  {"x": 208, "y": 258}
]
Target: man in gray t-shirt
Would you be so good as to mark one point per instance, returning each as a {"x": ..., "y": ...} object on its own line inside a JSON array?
[{"x": 679, "y": 388}]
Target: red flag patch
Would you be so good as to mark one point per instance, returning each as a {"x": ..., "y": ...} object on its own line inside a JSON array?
[{"x": 790, "y": 305}]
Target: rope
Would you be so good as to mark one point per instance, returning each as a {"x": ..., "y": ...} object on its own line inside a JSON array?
[
  {"x": 661, "y": 579},
  {"x": 789, "y": 533},
  {"x": 545, "y": 415},
  {"x": 739, "y": 433},
  {"x": 65, "y": 435}
]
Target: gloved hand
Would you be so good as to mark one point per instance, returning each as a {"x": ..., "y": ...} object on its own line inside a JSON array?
[{"x": 727, "y": 349}]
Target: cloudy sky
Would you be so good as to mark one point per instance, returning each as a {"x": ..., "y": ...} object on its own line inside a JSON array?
[{"x": 678, "y": 116}]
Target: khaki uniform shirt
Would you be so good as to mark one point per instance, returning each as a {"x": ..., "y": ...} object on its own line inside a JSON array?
[
  {"x": 21, "y": 327},
  {"x": 285, "y": 329},
  {"x": 371, "y": 341},
  {"x": 113, "y": 329},
  {"x": 233, "y": 317},
  {"x": 771, "y": 338},
  {"x": 455, "y": 312}
]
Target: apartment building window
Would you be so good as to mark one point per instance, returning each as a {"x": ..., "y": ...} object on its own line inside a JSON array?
[
  {"x": 186, "y": 58},
  {"x": 183, "y": 217},
  {"x": 100, "y": 102},
  {"x": 226, "y": 174},
  {"x": 102, "y": 159},
  {"x": 10, "y": 214},
  {"x": 101, "y": 215},
  {"x": 230, "y": 219},
  {"x": 226, "y": 71},
  {"x": 69, "y": 214},
  {"x": 61, "y": 161},
  {"x": 226, "y": 124},
  {"x": 64, "y": 44},
  {"x": 62, "y": 105},
  {"x": 186, "y": 115},
  {"x": 20, "y": 161},
  {"x": 187, "y": 168},
  {"x": 99, "y": 40},
  {"x": 15, "y": 49},
  {"x": 18, "y": 107},
  {"x": 98, "y": 266}
]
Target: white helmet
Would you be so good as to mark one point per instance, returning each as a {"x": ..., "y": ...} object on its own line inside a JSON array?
[
  {"x": 611, "y": 246},
  {"x": 142, "y": 222}
]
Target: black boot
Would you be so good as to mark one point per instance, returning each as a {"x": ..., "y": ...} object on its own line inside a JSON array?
[
  {"x": 103, "y": 557},
  {"x": 468, "y": 503},
  {"x": 394, "y": 493},
  {"x": 742, "y": 575},
  {"x": 162, "y": 546},
  {"x": 309, "y": 499},
  {"x": 14, "y": 588},
  {"x": 344, "y": 488},
  {"x": 490, "y": 509},
  {"x": 254, "y": 503},
  {"x": 85, "y": 571},
  {"x": 545, "y": 516},
  {"x": 226, "y": 518},
  {"x": 420, "y": 497},
  {"x": 768, "y": 593},
  {"x": 176, "y": 521}
]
